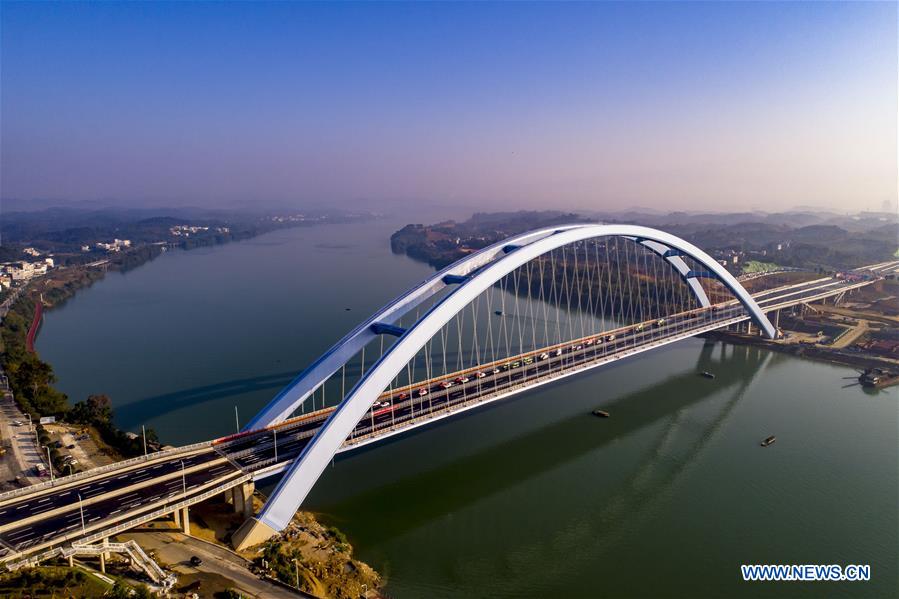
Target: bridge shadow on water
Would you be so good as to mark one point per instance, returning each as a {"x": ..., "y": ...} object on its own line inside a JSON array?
[
  {"x": 502, "y": 466},
  {"x": 148, "y": 408}
]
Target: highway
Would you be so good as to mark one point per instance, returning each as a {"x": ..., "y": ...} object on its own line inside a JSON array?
[{"x": 54, "y": 514}]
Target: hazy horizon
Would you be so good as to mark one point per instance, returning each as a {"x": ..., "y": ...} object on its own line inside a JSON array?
[{"x": 609, "y": 106}]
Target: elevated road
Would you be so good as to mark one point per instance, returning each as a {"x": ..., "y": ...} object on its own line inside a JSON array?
[{"x": 91, "y": 506}]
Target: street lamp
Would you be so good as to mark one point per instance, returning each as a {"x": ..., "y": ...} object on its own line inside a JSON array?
[
  {"x": 49, "y": 462},
  {"x": 81, "y": 509}
]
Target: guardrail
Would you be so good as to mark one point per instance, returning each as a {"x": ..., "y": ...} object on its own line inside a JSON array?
[
  {"x": 48, "y": 484},
  {"x": 128, "y": 524},
  {"x": 270, "y": 466}
]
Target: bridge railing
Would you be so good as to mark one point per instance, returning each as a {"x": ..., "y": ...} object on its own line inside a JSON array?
[
  {"x": 270, "y": 466},
  {"x": 62, "y": 480},
  {"x": 166, "y": 509}
]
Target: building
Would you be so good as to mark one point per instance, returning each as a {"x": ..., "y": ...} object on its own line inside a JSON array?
[
  {"x": 114, "y": 246},
  {"x": 31, "y": 252}
]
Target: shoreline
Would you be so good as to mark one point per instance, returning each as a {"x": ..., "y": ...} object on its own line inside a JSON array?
[
  {"x": 35, "y": 325},
  {"x": 57, "y": 287},
  {"x": 810, "y": 352}
]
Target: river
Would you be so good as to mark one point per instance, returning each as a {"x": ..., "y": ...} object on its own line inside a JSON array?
[{"x": 529, "y": 497}]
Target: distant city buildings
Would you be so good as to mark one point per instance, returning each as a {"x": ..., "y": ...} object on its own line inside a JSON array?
[
  {"x": 296, "y": 218},
  {"x": 31, "y": 252},
  {"x": 115, "y": 246},
  {"x": 188, "y": 230},
  {"x": 19, "y": 271}
]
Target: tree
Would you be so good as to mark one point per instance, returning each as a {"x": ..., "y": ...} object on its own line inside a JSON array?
[{"x": 96, "y": 409}]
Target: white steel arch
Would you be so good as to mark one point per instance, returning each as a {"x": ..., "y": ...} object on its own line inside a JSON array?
[
  {"x": 294, "y": 394},
  {"x": 493, "y": 263}
]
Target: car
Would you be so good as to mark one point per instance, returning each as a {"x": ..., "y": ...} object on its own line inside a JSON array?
[
  {"x": 579, "y": 347},
  {"x": 481, "y": 375},
  {"x": 195, "y": 561},
  {"x": 660, "y": 322},
  {"x": 610, "y": 338},
  {"x": 446, "y": 384},
  {"x": 529, "y": 360},
  {"x": 403, "y": 396},
  {"x": 496, "y": 371},
  {"x": 559, "y": 352},
  {"x": 543, "y": 356},
  {"x": 588, "y": 342},
  {"x": 422, "y": 392},
  {"x": 381, "y": 404}
]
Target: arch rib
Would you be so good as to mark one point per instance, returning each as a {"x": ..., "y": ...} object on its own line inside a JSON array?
[
  {"x": 307, "y": 468},
  {"x": 291, "y": 397}
]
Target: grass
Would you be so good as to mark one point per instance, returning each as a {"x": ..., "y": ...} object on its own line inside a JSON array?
[
  {"x": 51, "y": 581},
  {"x": 754, "y": 266}
]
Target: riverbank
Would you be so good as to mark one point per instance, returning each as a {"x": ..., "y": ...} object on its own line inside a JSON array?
[
  {"x": 55, "y": 289},
  {"x": 308, "y": 556},
  {"x": 804, "y": 350},
  {"x": 35, "y": 325}
]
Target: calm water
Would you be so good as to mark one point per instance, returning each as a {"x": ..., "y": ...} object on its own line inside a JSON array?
[{"x": 533, "y": 496}]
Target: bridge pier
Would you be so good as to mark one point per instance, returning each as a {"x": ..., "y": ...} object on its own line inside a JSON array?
[
  {"x": 177, "y": 517},
  {"x": 252, "y": 532},
  {"x": 185, "y": 521},
  {"x": 243, "y": 498}
]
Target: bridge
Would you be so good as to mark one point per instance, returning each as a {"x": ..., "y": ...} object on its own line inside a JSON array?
[{"x": 525, "y": 312}]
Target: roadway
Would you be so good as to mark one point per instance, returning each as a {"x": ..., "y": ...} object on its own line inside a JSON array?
[{"x": 51, "y": 515}]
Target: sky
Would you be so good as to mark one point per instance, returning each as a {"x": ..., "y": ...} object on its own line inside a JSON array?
[{"x": 597, "y": 106}]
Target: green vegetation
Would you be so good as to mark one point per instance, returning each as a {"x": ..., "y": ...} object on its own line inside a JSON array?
[
  {"x": 97, "y": 411},
  {"x": 52, "y": 582},
  {"x": 121, "y": 590},
  {"x": 30, "y": 379},
  {"x": 754, "y": 266},
  {"x": 318, "y": 558}
]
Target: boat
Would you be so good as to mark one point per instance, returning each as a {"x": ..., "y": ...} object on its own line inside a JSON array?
[
  {"x": 707, "y": 374},
  {"x": 601, "y": 413},
  {"x": 769, "y": 440},
  {"x": 877, "y": 378}
]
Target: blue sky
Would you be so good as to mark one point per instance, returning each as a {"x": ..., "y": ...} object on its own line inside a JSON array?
[{"x": 588, "y": 105}]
